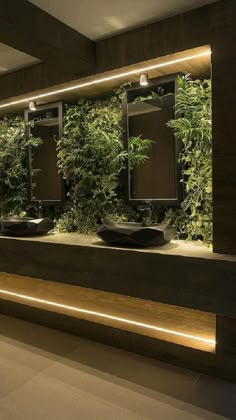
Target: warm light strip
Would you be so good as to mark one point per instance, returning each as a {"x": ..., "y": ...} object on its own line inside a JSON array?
[
  {"x": 106, "y": 79},
  {"x": 106, "y": 316}
]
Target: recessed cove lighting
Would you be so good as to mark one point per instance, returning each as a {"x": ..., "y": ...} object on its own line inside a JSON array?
[
  {"x": 143, "y": 79},
  {"x": 107, "y": 78},
  {"x": 103, "y": 315}
]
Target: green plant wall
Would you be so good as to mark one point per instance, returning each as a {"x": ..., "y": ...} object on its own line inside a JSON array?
[
  {"x": 194, "y": 128},
  {"x": 13, "y": 172},
  {"x": 91, "y": 158}
]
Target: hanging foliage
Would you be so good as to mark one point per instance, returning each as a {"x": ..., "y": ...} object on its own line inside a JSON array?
[
  {"x": 13, "y": 172},
  {"x": 194, "y": 129}
]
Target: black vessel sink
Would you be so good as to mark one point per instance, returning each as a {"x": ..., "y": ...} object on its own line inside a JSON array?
[
  {"x": 135, "y": 234},
  {"x": 25, "y": 226}
]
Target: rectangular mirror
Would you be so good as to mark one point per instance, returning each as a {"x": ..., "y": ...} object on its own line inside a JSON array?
[
  {"x": 45, "y": 185},
  {"x": 157, "y": 178}
]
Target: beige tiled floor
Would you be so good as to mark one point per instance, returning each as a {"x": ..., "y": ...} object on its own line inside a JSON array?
[{"x": 49, "y": 375}]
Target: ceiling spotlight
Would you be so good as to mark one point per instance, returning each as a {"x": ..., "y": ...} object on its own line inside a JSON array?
[
  {"x": 143, "y": 79},
  {"x": 32, "y": 106}
]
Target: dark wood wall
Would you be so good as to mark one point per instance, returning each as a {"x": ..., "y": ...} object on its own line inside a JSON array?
[
  {"x": 179, "y": 33},
  {"x": 65, "y": 54},
  {"x": 223, "y": 42}
]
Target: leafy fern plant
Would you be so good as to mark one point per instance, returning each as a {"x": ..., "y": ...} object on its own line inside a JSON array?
[
  {"x": 91, "y": 157},
  {"x": 139, "y": 149},
  {"x": 13, "y": 171},
  {"x": 194, "y": 128}
]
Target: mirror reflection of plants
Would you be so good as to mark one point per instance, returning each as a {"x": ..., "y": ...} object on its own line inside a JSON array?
[
  {"x": 13, "y": 171},
  {"x": 194, "y": 129},
  {"x": 139, "y": 151},
  {"x": 152, "y": 95}
]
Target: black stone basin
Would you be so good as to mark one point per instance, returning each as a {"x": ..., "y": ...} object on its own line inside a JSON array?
[
  {"x": 25, "y": 226},
  {"x": 135, "y": 234}
]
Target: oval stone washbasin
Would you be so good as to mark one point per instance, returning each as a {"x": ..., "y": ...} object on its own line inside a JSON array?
[
  {"x": 25, "y": 226},
  {"x": 135, "y": 234}
]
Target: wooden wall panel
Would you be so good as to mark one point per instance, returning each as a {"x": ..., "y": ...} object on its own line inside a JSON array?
[
  {"x": 179, "y": 33},
  {"x": 31, "y": 79},
  {"x": 224, "y": 143},
  {"x": 27, "y": 28}
]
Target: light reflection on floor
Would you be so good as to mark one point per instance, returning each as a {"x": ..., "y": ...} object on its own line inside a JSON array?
[{"x": 47, "y": 374}]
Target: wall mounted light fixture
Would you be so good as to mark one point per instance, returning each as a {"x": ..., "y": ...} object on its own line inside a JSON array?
[
  {"x": 32, "y": 106},
  {"x": 143, "y": 79}
]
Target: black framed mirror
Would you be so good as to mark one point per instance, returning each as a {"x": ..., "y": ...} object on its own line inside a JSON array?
[
  {"x": 146, "y": 112},
  {"x": 46, "y": 186}
]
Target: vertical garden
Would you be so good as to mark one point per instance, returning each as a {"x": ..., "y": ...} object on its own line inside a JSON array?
[
  {"x": 91, "y": 158},
  {"x": 194, "y": 129},
  {"x": 13, "y": 165}
]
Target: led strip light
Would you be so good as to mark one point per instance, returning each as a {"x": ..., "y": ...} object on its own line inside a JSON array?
[
  {"x": 106, "y": 79},
  {"x": 106, "y": 316}
]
